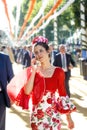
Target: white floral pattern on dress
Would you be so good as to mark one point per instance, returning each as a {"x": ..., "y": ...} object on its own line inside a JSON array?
[{"x": 46, "y": 115}]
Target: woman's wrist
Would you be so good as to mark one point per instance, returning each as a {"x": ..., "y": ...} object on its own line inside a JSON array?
[
  {"x": 68, "y": 117},
  {"x": 70, "y": 121}
]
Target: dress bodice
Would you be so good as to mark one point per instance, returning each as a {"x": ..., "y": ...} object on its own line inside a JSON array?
[{"x": 56, "y": 82}]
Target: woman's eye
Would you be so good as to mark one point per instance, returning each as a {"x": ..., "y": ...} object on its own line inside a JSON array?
[
  {"x": 41, "y": 50},
  {"x": 37, "y": 52}
]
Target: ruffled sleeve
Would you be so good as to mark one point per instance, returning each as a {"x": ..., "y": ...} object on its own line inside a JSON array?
[
  {"x": 16, "y": 92},
  {"x": 64, "y": 105},
  {"x": 22, "y": 99},
  {"x": 61, "y": 82},
  {"x": 15, "y": 88}
]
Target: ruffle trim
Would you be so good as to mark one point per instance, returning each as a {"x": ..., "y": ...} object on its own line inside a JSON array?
[
  {"x": 22, "y": 100},
  {"x": 64, "y": 105}
]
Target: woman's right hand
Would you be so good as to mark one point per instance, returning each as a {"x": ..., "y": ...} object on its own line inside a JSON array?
[{"x": 34, "y": 64}]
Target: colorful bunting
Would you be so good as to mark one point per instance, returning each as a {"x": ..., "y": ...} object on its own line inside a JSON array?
[
  {"x": 32, "y": 3},
  {"x": 45, "y": 17},
  {"x": 6, "y": 11}
]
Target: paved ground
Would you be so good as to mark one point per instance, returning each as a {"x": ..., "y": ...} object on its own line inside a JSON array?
[{"x": 18, "y": 119}]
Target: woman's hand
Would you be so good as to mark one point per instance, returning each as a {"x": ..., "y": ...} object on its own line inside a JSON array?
[
  {"x": 35, "y": 64},
  {"x": 70, "y": 122},
  {"x": 30, "y": 84}
]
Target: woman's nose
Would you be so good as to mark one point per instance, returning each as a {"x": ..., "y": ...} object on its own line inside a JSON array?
[{"x": 39, "y": 53}]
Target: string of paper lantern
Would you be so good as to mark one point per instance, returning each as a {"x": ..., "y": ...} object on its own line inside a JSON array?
[
  {"x": 55, "y": 15},
  {"x": 44, "y": 4},
  {"x": 44, "y": 17},
  {"x": 52, "y": 17},
  {"x": 6, "y": 11},
  {"x": 32, "y": 3}
]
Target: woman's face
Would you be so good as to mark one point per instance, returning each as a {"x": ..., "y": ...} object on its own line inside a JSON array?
[{"x": 40, "y": 53}]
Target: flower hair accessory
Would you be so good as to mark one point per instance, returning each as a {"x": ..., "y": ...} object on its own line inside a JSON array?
[{"x": 39, "y": 39}]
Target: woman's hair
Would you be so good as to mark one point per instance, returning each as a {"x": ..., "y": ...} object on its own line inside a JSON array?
[{"x": 41, "y": 41}]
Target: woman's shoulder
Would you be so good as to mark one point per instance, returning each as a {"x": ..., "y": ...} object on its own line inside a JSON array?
[{"x": 59, "y": 71}]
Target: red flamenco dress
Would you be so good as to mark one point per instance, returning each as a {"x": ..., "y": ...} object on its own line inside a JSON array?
[{"x": 49, "y": 98}]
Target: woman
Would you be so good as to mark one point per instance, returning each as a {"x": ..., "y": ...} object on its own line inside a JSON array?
[{"x": 45, "y": 85}]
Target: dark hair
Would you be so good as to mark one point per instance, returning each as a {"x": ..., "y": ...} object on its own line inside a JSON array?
[{"x": 45, "y": 45}]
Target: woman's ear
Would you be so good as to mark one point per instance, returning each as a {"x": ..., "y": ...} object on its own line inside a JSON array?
[{"x": 49, "y": 52}]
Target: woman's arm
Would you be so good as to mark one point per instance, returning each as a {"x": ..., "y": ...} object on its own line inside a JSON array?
[
  {"x": 29, "y": 86},
  {"x": 69, "y": 121}
]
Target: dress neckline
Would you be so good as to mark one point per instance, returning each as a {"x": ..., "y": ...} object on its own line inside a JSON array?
[{"x": 51, "y": 75}]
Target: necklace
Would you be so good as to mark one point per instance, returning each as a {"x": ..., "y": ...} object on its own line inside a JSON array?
[{"x": 48, "y": 72}]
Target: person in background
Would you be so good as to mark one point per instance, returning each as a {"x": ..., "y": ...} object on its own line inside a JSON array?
[
  {"x": 6, "y": 74},
  {"x": 8, "y": 50},
  {"x": 30, "y": 50},
  {"x": 45, "y": 86},
  {"x": 26, "y": 62},
  {"x": 66, "y": 62},
  {"x": 53, "y": 52}
]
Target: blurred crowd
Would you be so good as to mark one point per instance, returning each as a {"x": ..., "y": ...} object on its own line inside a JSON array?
[{"x": 24, "y": 54}]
